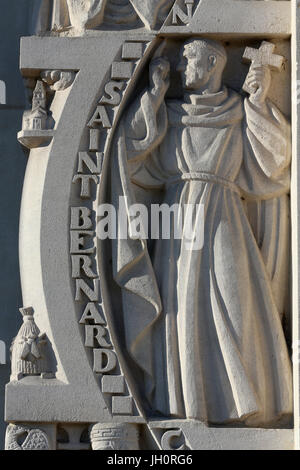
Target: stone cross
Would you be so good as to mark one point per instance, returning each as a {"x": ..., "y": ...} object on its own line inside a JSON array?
[{"x": 262, "y": 56}]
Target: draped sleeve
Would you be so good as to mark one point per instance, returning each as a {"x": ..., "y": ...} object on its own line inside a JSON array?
[
  {"x": 265, "y": 171},
  {"x": 145, "y": 130},
  {"x": 265, "y": 180},
  {"x": 139, "y": 133}
]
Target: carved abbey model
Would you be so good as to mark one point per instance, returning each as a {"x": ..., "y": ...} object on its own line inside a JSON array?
[
  {"x": 36, "y": 118},
  {"x": 24, "y": 438}
]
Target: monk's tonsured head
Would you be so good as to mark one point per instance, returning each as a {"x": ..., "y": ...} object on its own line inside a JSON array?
[{"x": 201, "y": 59}]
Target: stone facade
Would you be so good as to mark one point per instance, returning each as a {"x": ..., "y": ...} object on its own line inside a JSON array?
[{"x": 178, "y": 342}]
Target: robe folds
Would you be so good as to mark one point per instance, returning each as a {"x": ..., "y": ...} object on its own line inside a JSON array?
[
  {"x": 202, "y": 324},
  {"x": 110, "y": 12}
]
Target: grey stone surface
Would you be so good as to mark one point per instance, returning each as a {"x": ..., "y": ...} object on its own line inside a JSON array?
[
  {"x": 122, "y": 405},
  {"x": 37, "y": 436},
  {"x": 34, "y": 439},
  {"x": 178, "y": 434},
  {"x": 67, "y": 14},
  {"x": 238, "y": 18},
  {"x": 113, "y": 384}
]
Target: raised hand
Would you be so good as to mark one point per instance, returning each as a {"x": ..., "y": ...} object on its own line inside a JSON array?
[
  {"x": 159, "y": 72},
  {"x": 258, "y": 81}
]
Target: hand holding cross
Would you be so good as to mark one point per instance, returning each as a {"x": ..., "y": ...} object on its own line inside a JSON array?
[{"x": 263, "y": 60}]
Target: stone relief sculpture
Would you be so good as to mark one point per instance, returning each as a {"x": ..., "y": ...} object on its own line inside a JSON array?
[
  {"x": 58, "y": 80},
  {"x": 177, "y": 337},
  {"x": 33, "y": 439},
  {"x": 37, "y": 117},
  {"x": 86, "y": 14},
  {"x": 202, "y": 325},
  {"x": 114, "y": 437},
  {"x": 269, "y": 217},
  {"x": 38, "y": 124},
  {"x": 28, "y": 349}
]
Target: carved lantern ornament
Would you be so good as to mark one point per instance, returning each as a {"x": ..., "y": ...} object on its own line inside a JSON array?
[{"x": 27, "y": 349}]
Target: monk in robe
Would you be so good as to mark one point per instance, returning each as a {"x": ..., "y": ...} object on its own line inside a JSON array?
[{"x": 202, "y": 324}]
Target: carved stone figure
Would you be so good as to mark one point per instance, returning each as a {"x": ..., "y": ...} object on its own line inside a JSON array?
[
  {"x": 73, "y": 436},
  {"x": 19, "y": 437},
  {"x": 114, "y": 436},
  {"x": 27, "y": 355},
  {"x": 269, "y": 218},
  {"x": 86, "y": 14},
  {"x": 36, "y": 118},
  {"x": 58, "y": 80},
  {"x": 201, "y": 322}
]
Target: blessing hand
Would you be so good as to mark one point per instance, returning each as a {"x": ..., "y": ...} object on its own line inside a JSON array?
[{"x": 159, "y": 71}]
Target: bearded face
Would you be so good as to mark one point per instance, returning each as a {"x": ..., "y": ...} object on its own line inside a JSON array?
[{"x": 194, "y": 68}]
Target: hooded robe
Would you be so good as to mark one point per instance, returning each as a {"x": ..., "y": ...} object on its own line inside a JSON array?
[{"x": 202, "y": 324}]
